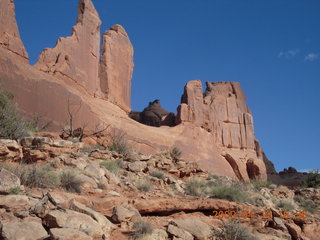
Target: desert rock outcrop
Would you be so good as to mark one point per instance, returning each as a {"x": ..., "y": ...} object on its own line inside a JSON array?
[
  {"x": 9, "y": 32},
  {"x": 214, "y": 128},
  {"x": 116, "y": 67},
  {"x": 76, "y": 57}
]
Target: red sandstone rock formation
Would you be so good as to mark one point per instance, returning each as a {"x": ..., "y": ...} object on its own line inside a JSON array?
[
  {"x": 215, "y": 128},
  {"x": 76, "y": 57},
  {"x": 116, "y": 67},
  {"x": 9, "y": 33}
]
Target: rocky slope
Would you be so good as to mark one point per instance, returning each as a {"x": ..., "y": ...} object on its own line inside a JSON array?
[
  {"x": 73, "y": 75},
  {"x": 57, "y": 189}
]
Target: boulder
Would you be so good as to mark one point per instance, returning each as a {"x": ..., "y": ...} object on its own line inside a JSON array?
[
  {"x": 10, "y": 150},
  {"x": 137, "y": 166},
  {"x": 67, "y": 234},
  {"x": 23, "y": 231},
  {"x": 198, "y": 229},
  {"x": 179, "y": 233},
  {"x": 102, "y": 220},
  {"x": 74, "y": 220},
  {"x": 8, "y": 181},
  {"x": 124, "y": 214}
]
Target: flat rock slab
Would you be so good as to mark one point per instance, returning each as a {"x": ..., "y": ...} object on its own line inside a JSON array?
[{"x": 23, "y": 231}]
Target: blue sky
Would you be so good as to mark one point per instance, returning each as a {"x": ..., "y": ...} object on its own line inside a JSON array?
[{"x": 271, "y": 47}]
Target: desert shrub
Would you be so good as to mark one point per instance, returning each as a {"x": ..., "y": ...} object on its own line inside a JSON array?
[
  {"x": 70, "y": 181},
  {"x": 11, "y": 124},
  {"x": 101, "y": 185},
  {"x": 258, "y": 185},
  {"x": 306, "y": 204},
  {"x": 233, "y": 231},
  {"x": 313, "y": 180},
  {"x": 112, "y": 165},
  {"x": 14, "y": 191},
  {"x": 231, "y": 193},
  {"x": 144, "y": 185},
  {"x": 36, "y": 176},
  {"x": 120, "y": 144},
  {"x": 158, "y": 174},
  {"x": 175, "y": 153},
  {"x": 196, "y": 187},
  {"x": 285, "y": 204},
  {"x": 141, "y": 229}
]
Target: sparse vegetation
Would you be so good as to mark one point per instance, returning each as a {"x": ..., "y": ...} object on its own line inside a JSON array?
[
  {"x": 234, "y": 231},
  {"x": 112, "y": 165},
  {"x": 175, "y": 153},
  {"x": 120, "y": 144},
  {"x": 12, "y": 126},
  {"x": 158, "y": 174},
  {"x": 258, "y": 185},
  {"x": 14, "y": 191},
  {"x": 196, "y": 187},
  {"x": 231, "y": 193},
  {"x": 215, "y": 189},
  {"x": 306, "y": 204},
  {"x": 36, "y": 176},
  {"x": 141, "y": 229},
  {"x": 285, "y": 204},
  {"x": 144, "y": 185},
  {"x": 70, "y": 181},
  {"x": 313, "y": 180}
]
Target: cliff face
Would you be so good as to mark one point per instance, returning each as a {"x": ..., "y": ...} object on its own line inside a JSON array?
[
  {"x": 215, "y": 128},
  {"x": 9, "y": 33}
]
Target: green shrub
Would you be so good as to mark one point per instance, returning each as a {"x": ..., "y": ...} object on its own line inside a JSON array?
[
  {"x": 313, "y": 180},
  {"x": 285, "y": 204},
  {"x": 70, "y": 181},
  {"x": 141, "y": 229},
  {"x": 144, "y": 185},
  {"x": 306, "y": 204},
  {"x": 175, "y": 153},
  {"x": 11, "y": 124},
  {"x": 231, "y": 193},
  {"x": 196, "y": 187},
  {"x": 101, "y": 185},
  {"x": 120, "y": 144},
  {"x": 233, "y": 231},
  {"x": 14, "y": 191},
  {"x": 112, "y": 165},
  {"x": 158, "y": 174}
]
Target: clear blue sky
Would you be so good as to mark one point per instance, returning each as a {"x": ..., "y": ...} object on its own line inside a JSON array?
[{"x": 271, "y": 47}]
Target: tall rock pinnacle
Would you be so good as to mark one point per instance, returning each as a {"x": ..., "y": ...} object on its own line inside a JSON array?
[
  {"x": 77, "y": 57},
  {"x": 116, "y": 67},
  {"x": 9, "y": 32}
]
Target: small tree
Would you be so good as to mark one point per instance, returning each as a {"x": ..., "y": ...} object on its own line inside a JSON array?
[{"x": 11, "y": 124}]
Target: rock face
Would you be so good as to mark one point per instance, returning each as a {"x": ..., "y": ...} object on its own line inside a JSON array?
[
  {"x": 214, "y": 128},
  {"x": 154, "y": 115},
  {"x": 9, "y": 33},
  {"x": 222, "y": 110},
  {"x": 76, "y": 57},
  {"x": 116, "y": 67}
]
